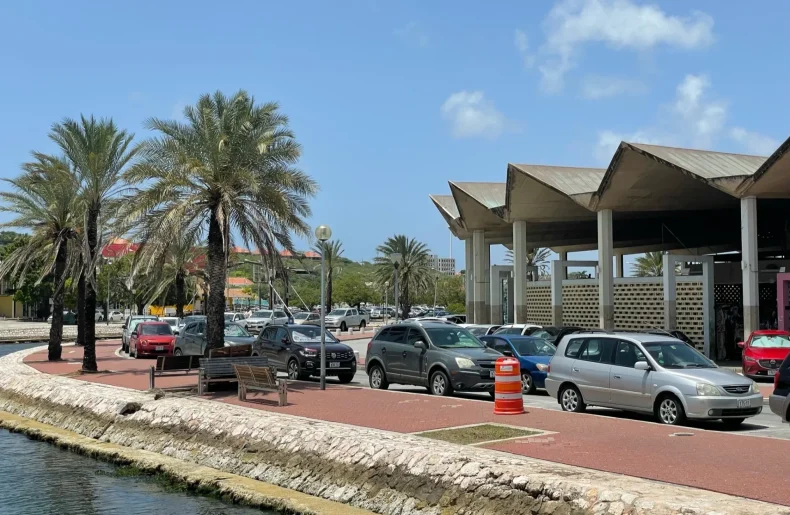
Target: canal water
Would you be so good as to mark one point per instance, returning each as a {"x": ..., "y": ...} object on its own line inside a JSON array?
[{"x": 37, "y": 478}]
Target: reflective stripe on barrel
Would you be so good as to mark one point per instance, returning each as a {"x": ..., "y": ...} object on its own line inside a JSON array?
[{"x": 507, "y": 387}]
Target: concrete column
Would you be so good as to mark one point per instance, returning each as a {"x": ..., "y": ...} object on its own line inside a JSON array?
[
  {"x": 487, "y": 271},
  {"x": 708, "y": 315},
  {"x": 605, "y": 272},
  {"x": 670, "y": 292},
  {"x": 556, "y": 292},
  {"x": 749, "y": 266},
  {"x": 564, "y": 269},
  {"x": 470, "y": 280},
  {"x": 520, "y": 271},
  {"x": 481, "y": 285},
  {"x": 510, "y": 301},
  {"x": 618, "y": 265}
]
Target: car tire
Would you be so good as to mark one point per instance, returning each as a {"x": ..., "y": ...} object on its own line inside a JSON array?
[
  {"x": 178, "y": 352},
  {"x": 295, "y": 371},
  {"x": 378, "y": 378},
  {"x": 669, "y": 411},
  {"x": 345, "y": 378},
  {"x": 571, "y": 399},
  {"x": 440, "y": 384},
  {"x": 527, "y": 383},
  {"x": 130, "y": 352},
  {"x": 343, "y": 327},
  {"x": 362, "y": 325},
  {"x": 732, "y": 423}
]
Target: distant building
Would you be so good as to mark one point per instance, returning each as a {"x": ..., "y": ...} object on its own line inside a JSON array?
[{"x": 444, "y": 266}]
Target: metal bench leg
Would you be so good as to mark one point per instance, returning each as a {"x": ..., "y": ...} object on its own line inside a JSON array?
[
  {"x": 282, "y": 390},
  {"x": 151, "y": 379},
  {"x": 242, "y": 393},
  {"x": 200, "y": 386}
]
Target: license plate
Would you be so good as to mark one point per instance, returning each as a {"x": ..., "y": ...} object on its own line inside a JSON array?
[
  {"x": 334, "y": 364},
  {"x": 744, "y": 403},
  {"x": 772, "y": 372},
  {"x": 160, "y": 347},
  {"x": 491, "y": 374}
]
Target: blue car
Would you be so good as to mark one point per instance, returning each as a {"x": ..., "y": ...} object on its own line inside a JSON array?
[{"x": 533, "y": 355}]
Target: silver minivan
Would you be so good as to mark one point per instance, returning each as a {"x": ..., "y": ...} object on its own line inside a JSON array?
[{"x": 648, "y": 373}]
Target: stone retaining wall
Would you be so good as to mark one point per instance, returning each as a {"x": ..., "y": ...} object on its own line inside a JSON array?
[{"x": 389, "y": 473}]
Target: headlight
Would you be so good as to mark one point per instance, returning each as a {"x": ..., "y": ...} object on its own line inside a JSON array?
[
  {"x": 309, "y": 353},
  {"x": 465, "y": 363},
  {"x": 755, "y": 388},
  {"x": 749, "y": 359},
  {"x": 541, "y": 367},
  {"x": 705, "y": 389}
]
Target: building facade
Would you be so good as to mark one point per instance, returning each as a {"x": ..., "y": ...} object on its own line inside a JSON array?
[{"x": 445, "y": 266}]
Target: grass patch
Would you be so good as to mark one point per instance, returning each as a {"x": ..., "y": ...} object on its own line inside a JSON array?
[{"x": 478, "y": 434}]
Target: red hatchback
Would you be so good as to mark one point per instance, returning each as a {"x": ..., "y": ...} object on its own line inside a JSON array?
[
  {"x": 764, "y": 352},
  {"x": 151, "y": 338}
]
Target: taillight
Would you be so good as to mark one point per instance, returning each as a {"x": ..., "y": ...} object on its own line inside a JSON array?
[
  {"x": 548, "y": 370},
  {"x": 370, "y": 344},
  {"x": 776, "y": 379}
]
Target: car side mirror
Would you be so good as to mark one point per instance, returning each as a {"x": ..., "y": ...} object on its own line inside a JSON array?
[
  {"x": 134, "y": 333},
  {"x": 419, "y": 344},
  {"x": 642, "y": 365},
  {"x": 741, "y": 344},
  {"x": 507, "y": 353}
]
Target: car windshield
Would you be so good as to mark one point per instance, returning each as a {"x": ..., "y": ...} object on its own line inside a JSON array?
[
  {"x": 134, "y": 323},
  {"x": 677, "y": 355},
  {"x": 338, "y": 312},
  {"x": 235, "y": 330},
  {"x": 453, "y": 338},
  {"x": 172, "y": 321},
  {"x": 155, "y": 329},
  {"x": 533, "y": 347},
  {"x": 228, "y": 317},
  {"x": 301, "y": 316},
  {"x": 262, "y": 314},
  {"x": 774, "y": 341},
  {"x": 310, "y": 334}
]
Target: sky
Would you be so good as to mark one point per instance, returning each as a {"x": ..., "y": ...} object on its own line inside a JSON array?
[{"x": 390, "y": 100}]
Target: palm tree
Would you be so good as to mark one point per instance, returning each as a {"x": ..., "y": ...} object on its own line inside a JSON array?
[
  {"x": 331, "y": 251},
  {"x": 44, "y": 203},
  {"x": 98, "y": 152},
  {"x": 228, "y": 169},
  {"x": 537, "y": 257},
  {"x": 649, "y": 265},
  {"x": 414, "y": 273}
]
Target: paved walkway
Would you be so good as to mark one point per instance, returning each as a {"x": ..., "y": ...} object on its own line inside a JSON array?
[{"x": 723, "y": 462}]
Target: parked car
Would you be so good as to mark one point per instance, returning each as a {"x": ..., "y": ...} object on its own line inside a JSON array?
[
  {"x": 172, "y": 322},
  {"x": 764, "y": 352},
  {"x": 440, "y": 356},
  {"x": 456, "y": 319},
  {"x": 482, "y": 329},
  {"x": 779, "y": 401},
  {"x": 191, "y": 341},
  {"x": 99, "y": 315},
  {"x": 382, "y": 313},
  {"x": 69, "y": 318},
  {"x": 521, "y": 329},
  {"x": 260, "y": 319},
  {"x": 234, "y": 317},
  {"x": 129, "y": 325},
  {"x": 648, "y": 373},
  {"x": 151, "y": 339},
  {"x": 559, "y": 332},
  {"x": 307, "y": 318},
  {"x": 344, "y": 318},
  {"x": 187, "y": 320},
  {"x": 115, "y": 316},
  {"x": 296, "y": 349},
  {"x": 534, "y": 355}
]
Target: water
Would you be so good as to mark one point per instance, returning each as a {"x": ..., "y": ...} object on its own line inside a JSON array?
[{"x": 37, "y": 478}]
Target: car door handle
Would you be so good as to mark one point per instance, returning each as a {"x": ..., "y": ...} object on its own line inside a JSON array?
[
  {"x": 404, "y": 354},
  {"x": 617, "y": 377},
  {"x": 575, "y": 369},
  {"x": 383, "y": 350}
]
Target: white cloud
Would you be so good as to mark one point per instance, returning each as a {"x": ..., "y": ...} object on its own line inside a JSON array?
[
  {"x": 753, "y": 142},
  {"x": 471, "y": 115},
  {"x": 595, "y": 87},
  {"x": 618, "y": 24},
  {"x": 522, "y": 45},
  {"x": 703, "y": 118},
  {"x": 413, "y": 34}
]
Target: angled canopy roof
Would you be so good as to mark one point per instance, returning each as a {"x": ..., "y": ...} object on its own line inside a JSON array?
[
  {"x": 480, "y": 204},
  {"x": 652, "y": 178},
  {"x": 550, "y": 193},
  {"x": 446, "y": 206},
  {"x": 772, "y": 179}
]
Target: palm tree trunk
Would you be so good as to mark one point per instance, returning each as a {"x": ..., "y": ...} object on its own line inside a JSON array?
[
  {"x": 180, "y": 294},
  {"x": 215, "y": 308},
  {"x": 56, "y": 331},
  {"x": 89, "y": 353},
  {"x": 81, "y": 308},
  {"x": 140, "y": 307},
  {"x": 405, "y": 301}
]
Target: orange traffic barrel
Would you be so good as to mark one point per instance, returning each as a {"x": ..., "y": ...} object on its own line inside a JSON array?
[{"x": 507, "y": 387}]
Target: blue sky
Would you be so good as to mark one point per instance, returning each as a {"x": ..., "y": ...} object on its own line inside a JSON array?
[{"x": 390, "y": 100}]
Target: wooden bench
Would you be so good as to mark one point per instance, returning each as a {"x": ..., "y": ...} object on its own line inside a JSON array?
[
  {"x": 173, "y": 365},
  {"x": 232, "y": 351},
  {"x": 220, "y": 370},
  {"x": 261, "y": 379}
]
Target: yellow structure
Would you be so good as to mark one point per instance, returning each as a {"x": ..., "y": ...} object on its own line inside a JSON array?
[
  {"x": 162, "y": 311},
  {"x": 10, "y": 308}
]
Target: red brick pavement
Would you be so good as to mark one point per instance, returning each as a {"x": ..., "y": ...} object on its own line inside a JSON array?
[{"x": 724, "y": 462}]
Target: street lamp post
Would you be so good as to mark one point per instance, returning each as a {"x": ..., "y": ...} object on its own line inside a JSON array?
[
  {"x": 395, "y": 257},
  {"x": 323, "y": 233}
]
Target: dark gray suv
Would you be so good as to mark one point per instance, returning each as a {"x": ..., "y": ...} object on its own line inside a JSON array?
[{"x": 442, "y": 357}]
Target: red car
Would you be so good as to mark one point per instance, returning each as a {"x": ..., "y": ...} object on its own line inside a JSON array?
[
  {"x": 764, "y": 352},
  {"x": 152, "y": 338}
]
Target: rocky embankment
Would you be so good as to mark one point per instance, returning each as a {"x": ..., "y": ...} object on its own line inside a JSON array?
[{"x": 376, "y": 470}]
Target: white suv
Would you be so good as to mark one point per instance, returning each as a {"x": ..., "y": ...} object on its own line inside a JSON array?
[{"x": 344, "y": 318}]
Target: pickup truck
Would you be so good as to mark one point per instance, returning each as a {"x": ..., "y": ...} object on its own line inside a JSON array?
[{"x": 344, "y": 318}]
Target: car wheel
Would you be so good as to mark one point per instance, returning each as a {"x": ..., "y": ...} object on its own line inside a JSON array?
[
  {"x": 345, "y": 378},
  {"x": 440, "y": 384},
  {"x": 178, "y": 352},
  {"x": 377, "y": 378},
  {"x": 571, "y": 400},
  {"x": 294, "y": 372},
  {"x": 732, "y": 423},
  {"x": 527, "y": 384},
  {"x": 669, "y": 411},
  {"x": 362, "y": 325},
  {"x": 343, "y": 327},
  {"x": 133, "y": 354}
]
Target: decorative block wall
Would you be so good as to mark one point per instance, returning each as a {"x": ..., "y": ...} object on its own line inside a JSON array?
[{"x": 539, "y": 302}]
